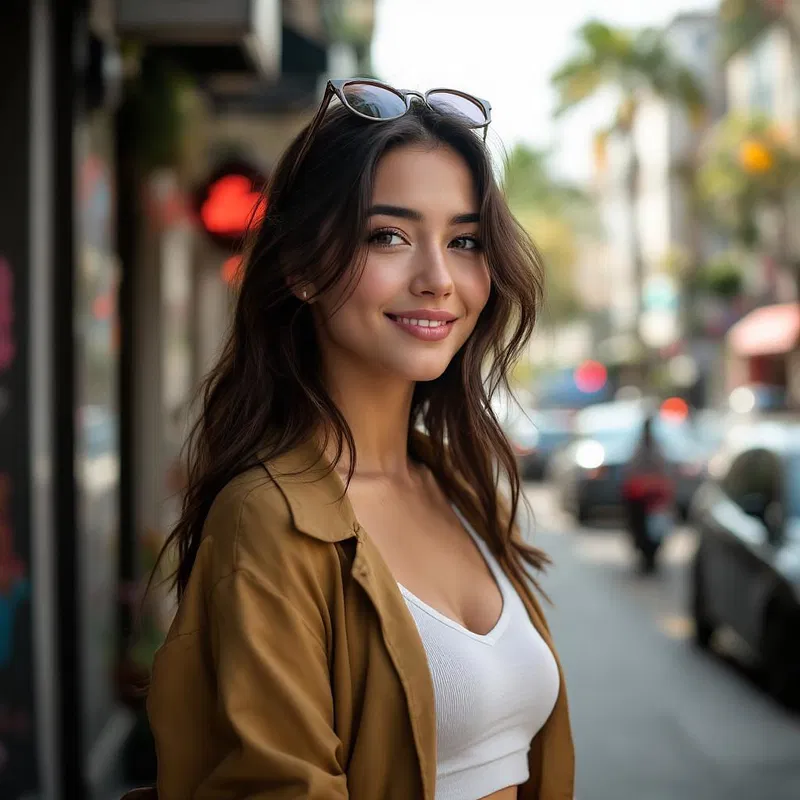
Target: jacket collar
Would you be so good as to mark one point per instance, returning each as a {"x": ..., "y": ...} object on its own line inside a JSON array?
[{"x": 314, "y": 492}]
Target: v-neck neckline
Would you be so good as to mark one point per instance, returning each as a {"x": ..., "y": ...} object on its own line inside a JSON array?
[{"x": 496, "y": 631}]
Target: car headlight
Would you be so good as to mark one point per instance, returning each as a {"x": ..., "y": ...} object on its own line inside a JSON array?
[{"x": 590, "y": 455}]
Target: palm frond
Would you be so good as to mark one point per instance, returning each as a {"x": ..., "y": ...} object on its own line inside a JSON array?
[{"x": 576, "y": 81}]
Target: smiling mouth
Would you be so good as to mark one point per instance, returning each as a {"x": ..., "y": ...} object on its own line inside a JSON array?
[
  {"x": 422, "y": 323},
  {"x": 426, "y": 330}
]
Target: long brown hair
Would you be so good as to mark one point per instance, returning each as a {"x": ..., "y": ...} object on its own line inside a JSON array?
[{"x": 266, "y": 394}]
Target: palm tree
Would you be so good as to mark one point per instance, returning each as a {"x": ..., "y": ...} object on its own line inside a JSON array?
[
  {"x": 635, "y": 64},
  {"x": 528, "y": 180},
  {"x": 743, "y": 21}
]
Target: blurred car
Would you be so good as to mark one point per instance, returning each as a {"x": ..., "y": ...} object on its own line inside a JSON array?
[
  {"x": 757, "y": 397},
  {"x": 746, "y": 573},
  {"x": 589, "y": 472},
  {"x": 709, "y": 428},
  {"x": 573, "y": 387},
  {"x": 536, "y": 436}
]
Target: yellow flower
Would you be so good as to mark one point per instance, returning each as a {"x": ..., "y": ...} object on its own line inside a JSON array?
[{"x": 754, "y": 156}]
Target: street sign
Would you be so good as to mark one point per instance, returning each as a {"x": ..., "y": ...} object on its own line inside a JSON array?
[{"x": 660, "y": 293}]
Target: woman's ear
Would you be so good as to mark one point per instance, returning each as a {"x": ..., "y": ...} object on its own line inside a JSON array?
[{"x": 304, "y": 292}]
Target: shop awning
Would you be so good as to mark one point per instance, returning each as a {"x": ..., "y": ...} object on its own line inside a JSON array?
[
  {"x": 770, "y": 330},
  {"x": 208, "y": 37}
]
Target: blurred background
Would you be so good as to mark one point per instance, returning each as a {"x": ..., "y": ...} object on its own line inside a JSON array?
[{"x": 653, "y": 153}]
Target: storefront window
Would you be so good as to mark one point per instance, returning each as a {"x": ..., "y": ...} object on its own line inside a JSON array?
[
  {"x": 177, "y": 386},
  {"x": 97, "y": 428}
]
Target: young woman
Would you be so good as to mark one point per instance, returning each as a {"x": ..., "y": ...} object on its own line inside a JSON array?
[{"x": 356, "y": 618}]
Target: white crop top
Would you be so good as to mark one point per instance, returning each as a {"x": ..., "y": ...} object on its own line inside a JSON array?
[{"x": 493, "y": 693}]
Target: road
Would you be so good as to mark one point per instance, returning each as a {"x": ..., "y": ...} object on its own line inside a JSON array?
[{"x": 653, "y": 717}]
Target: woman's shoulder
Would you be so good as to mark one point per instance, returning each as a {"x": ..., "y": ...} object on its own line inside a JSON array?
[
  {"x": 248, "y": 519},
  {"x": 278, "y": 517}
]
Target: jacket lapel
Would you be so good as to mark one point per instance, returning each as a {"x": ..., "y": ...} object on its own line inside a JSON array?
[{"x": 405, "y": 648}]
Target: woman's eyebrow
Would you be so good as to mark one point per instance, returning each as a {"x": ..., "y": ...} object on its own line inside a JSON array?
[
  {"x": 410, "y": 213},
  {"x": 395, "y": 211}
]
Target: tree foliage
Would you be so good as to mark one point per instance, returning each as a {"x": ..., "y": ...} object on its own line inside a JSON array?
[
  {"x": 631, "y": 62},
  {"x": 556, "y": 214},
  {"x": 743, "y": 21},
  {"x": 748, "y": 162}
]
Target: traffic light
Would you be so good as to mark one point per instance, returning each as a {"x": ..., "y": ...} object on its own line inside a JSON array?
[{"x": 230, "y": 202}]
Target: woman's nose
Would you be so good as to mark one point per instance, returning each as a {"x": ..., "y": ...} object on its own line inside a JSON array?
[{"x": 432, "y": 276}]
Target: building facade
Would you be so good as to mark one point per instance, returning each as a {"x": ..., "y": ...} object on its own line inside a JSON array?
[
  {"x": 665, "y": 143},
  {"x": 763, "y": 81},
  {"x": 112, "y": 303}
]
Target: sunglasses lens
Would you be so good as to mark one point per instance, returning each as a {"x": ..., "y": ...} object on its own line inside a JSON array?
[
  {"x": 373, "y": 101},
  {"x": 451, "y": 103}
]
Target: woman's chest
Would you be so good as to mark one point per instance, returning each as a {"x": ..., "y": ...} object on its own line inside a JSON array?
[
  {"x": 492, "y": 690},
  {"x": 380, "y": 650},
  {"x": 428, "y": 551}
]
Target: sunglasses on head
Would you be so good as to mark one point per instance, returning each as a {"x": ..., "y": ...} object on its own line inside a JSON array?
[{"x": 378, "y": 102}]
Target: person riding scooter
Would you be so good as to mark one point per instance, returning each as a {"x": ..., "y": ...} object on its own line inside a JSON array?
[{"x": 649, "y": 493}]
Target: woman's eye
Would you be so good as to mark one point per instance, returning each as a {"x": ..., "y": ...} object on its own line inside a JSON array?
[
  {"x": 466, "y": 243},
  {"x": 386, "y": 238}
]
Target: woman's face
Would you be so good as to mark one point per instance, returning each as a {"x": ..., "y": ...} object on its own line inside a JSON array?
[{"x": 425, "y": 280}]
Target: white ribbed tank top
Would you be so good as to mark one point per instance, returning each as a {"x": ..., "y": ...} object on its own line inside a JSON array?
[{"x": 493, "y": 693}]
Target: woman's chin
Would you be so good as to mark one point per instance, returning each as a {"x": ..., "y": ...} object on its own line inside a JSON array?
[{"x": 420, "y": 372}]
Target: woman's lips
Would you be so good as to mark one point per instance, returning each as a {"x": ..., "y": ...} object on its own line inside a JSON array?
[{"x": 427, "y": 330}]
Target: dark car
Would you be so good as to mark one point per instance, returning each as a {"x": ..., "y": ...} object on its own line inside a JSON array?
[
  {"x": 590, "y": 472},
  {"x": 746, "y": 574}
]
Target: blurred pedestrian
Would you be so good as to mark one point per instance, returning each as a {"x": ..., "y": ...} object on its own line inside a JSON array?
[
  {"x": 356, "y": 615},
  {"x": 648, "y": 494}
]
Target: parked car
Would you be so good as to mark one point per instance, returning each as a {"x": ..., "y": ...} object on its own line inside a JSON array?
[
  {"x": 746, "y": 573},
  {"x": 588, "y": 473},
  {"x": 756, "y": 398},
  {"x": 523, "y": 435},
  {"x": 536, "y": 435}
]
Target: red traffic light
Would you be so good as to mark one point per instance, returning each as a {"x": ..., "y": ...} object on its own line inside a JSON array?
[
  {"x": 230, "y": 202},
  {"x": 230, "y": 205}
]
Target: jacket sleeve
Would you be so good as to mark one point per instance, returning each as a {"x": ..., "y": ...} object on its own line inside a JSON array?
[{"x": 274, "y": 696}]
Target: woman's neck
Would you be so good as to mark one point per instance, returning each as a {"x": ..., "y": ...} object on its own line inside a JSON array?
[{"x": 377, "y": 412}]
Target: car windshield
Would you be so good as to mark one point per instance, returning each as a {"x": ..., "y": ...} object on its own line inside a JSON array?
[
  {"x": 620, "y": 434},
  {"x": 709, "y": 430},
  {"x": 551, "y": 420}
]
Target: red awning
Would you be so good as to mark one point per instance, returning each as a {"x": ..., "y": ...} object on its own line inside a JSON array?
[{"x": 767, "y": 331}]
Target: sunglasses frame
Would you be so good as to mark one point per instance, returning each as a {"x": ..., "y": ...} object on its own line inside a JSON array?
[{"x": 336, "y": 88}]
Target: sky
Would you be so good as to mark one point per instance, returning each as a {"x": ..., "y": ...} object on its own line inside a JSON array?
[{"x": 505, "y": 51}]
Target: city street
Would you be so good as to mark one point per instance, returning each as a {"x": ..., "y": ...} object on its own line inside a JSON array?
[{"x": 653, "y": 717}]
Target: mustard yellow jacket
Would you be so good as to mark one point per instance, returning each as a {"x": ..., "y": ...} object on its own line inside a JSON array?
[{"x": 293, "y": 668}]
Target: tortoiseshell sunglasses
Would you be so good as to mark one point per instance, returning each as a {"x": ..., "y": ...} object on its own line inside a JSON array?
[{"x": 378, "y": 102}]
